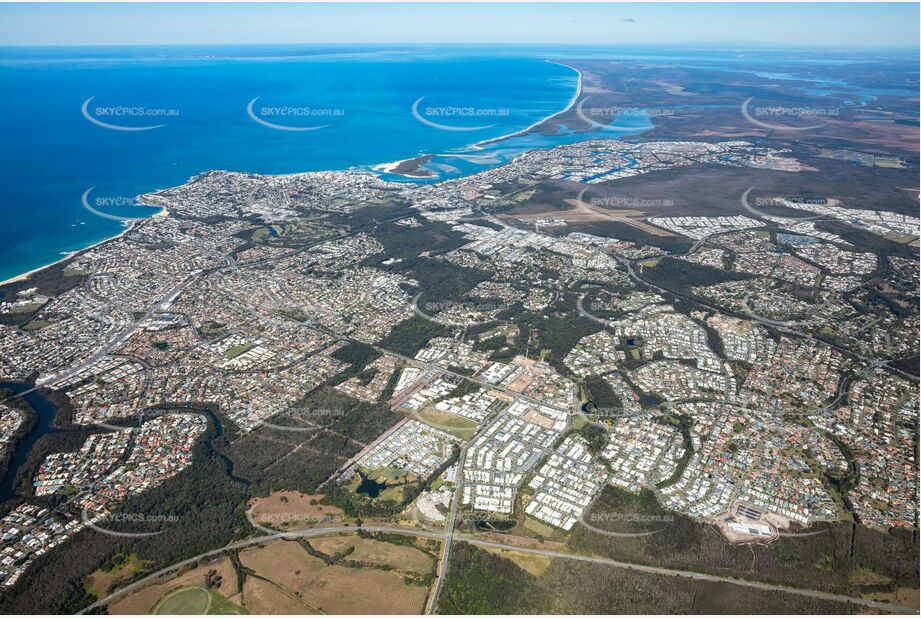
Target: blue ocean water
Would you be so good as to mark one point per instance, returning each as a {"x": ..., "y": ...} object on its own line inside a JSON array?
[
  {"x": 212, "y": 107},
  {"x": 51, "y": 153}
]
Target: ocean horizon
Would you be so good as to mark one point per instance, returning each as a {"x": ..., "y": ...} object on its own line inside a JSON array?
[
  {"x": 114, "y": 123},
  {"x": 108, "y": 124}
]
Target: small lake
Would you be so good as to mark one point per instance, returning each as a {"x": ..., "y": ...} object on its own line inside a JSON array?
[{"x": 369, "y": 487}]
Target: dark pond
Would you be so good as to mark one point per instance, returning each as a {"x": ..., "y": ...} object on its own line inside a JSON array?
[{"x": 369, "y": 487}]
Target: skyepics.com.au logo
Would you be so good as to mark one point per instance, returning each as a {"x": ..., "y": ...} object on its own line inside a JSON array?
[
  {"x": 452, "y": 117},
  {"x": 465, "y": 305},
  {"x": 481, "y": 523},
  {"x": 622, "y": 202},
  {"x": 593, "y": 307},
  {"x": 604, "y": 116},
  {"x": 125, "y": 117},
  {"x": 292, "y": 117},
  {"x": 120, "y": 524},
  {"x": 799, "y": 112},
  {"x": 607, "y": 304},
  {"x": 781, "y": 201},
  {"x": 753, "y": 206},
  {"x": 98, "y": 205},
  {"x": 620, "y": 524},
  {"x": 779, "y": 117},
  {"x": 629, "y": 202},
  {"x": 457, "y": 314},
  {"x": 607, "y": 412},
  {"x": 306, "y": 520},
  {"x": 601, "y": 305}
]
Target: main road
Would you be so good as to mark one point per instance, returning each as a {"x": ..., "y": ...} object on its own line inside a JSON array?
[
  {"x": 473, "y": 540},
  {"x": 452, "y": 519}
]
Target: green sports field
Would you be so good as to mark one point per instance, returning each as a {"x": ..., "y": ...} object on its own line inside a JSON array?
[{"x": 195, "y": 600}]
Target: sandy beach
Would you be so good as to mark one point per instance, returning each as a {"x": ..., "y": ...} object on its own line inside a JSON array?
[
  {"x": 72, "y": 254},
  {"x": 572, "y": 102},
  {"x": 390, "y": 168},
  {"x": 28, "y": 274}
]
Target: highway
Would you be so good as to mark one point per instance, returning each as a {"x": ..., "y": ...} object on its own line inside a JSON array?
[
  {"x": 473, "y": 540},
  {"x": 451, "y": 533}
]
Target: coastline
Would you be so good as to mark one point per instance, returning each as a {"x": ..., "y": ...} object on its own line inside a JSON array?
[
  {"x": 528, "y": 129},
  {"x": 72, "y": 254},
  {"x": 24, "y": 276},
  {"x": 391, "y": 168}
]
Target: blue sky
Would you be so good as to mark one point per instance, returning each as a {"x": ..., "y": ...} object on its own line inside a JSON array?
[{"x": 789, "y": 24}]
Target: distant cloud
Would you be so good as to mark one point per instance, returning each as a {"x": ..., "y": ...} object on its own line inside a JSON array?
[{"x": 629, "y": 20}]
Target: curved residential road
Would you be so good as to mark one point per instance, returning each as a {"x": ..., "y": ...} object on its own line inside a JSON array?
[
  {"x": 451, "y": 534},
  {"x": 627, "y": 264},
  {"x": 314, "y": 532},
  {"x": 777, "y": 325}
]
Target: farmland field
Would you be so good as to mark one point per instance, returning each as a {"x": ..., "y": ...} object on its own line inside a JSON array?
[
  {"x": 398, "y": 557},
  {"x": 284, "y": 578}
]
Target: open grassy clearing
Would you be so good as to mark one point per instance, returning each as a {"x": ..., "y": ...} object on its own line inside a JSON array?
[
  {"x": 291, "y": 579},
  {"x": 195, "y": 600},
  {"x": 532, "y": 563},
  {"x": 398, "y": 557},
  {"x": 143, "y": 600},
  {"x": 445, "y": 421},
  {"x": 290, "y": 510},
  {"x": 100, "y": 581}
]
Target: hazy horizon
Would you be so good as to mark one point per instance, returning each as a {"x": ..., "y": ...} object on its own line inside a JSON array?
[{"x": 805, "y": 25}]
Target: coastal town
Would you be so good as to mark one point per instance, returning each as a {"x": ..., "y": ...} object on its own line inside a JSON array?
[
  {"x": 460, "y": 308},
  {"x": 563, "y": 363}
]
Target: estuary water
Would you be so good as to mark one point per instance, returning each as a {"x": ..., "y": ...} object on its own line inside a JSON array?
[
  {"x": 126, "y": 121},
  {"x": 122, "y": 121}
]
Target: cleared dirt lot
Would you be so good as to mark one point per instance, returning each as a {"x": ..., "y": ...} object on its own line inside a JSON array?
[
  {"x": 291, "y": 510},
  {"x": 585, "y": 212}
]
